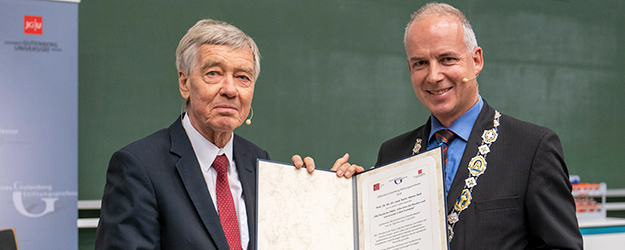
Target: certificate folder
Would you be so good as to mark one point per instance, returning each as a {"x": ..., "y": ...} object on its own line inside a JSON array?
[{"x": 400, "y": 205}]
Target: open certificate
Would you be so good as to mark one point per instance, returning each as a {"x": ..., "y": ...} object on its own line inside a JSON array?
[{"x": 396, "y": 206}]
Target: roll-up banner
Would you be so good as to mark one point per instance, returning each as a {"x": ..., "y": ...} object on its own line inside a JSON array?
[{"x": 39, "y": 122}]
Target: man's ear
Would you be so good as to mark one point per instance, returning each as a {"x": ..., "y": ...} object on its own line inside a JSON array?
[
  {"x": 183, "y": 85},
  {"x": 478, "y": 60}
]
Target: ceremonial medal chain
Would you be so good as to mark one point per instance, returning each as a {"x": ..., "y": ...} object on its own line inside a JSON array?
[
  {"x": 477, "y": 167},
  {"x": 417, "y": 146}
]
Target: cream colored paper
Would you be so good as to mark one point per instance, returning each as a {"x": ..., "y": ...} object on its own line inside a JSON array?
[{"x": 300, "y": 210}]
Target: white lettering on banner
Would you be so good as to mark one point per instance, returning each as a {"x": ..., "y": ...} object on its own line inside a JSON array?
[
  {"x": 8, "y": 131},
  {"x": 34, "y": 46},
  {"x": 19, "y": 205},
  {"x": 45, "y": 193},
  {"x": 18, "y": 186},
  {"x": 33, "y": 25}
]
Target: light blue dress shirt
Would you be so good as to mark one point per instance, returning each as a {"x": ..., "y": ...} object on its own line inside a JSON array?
[{"x": 462, "y": 127}]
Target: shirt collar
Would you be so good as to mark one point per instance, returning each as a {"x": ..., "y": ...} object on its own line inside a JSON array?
[
  {"x": 463, "y": 125},
  {"x": 206, "y": 151}
]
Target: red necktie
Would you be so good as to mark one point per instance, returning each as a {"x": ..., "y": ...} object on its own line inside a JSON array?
[{"x": 225, "y": 204}]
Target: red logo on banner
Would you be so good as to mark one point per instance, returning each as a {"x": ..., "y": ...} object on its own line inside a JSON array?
[
  {"x": 33, "y": 25},
  {"x": 420, "y": 171},
  {"x": 376, "y": 186}
]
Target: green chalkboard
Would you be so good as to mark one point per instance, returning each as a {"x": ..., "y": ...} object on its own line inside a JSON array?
[{"x": 334, "y": 76}]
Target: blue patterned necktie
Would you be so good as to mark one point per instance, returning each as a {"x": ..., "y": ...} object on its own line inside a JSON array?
[{"x": 444, "y": 137}]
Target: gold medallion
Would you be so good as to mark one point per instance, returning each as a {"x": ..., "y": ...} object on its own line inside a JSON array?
[
  {"x": 477, "y": 165},
  {"x": 489, "y": 136},
  {"x": 463, "y": 201}
]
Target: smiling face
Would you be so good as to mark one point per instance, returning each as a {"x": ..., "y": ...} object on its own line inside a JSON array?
[
  {"x": 218, "y": 90},
  {"x": 438, "y": 60}
]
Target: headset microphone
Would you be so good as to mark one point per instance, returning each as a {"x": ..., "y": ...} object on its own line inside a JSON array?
[
  {"x": 249, "y": 121},
  {"x": 467, "y": 79}
]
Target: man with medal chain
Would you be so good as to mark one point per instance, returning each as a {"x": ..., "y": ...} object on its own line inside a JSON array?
[{"x": 505, "y": 180}]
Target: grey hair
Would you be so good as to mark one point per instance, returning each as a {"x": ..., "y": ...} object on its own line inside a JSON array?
[
  {"x": 213, "y": 32},
  {"x": 443, "y": 9}
]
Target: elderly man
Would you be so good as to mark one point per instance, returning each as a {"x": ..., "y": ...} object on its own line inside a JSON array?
[
  {"x": 506, "y": 181},
  {"x": 192, "y": 185}
]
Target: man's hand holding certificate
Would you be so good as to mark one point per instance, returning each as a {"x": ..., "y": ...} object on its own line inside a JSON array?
[{"x": 397, "y": 206}]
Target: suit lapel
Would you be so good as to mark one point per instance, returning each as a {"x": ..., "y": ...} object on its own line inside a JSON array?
[
  {"x": 484, "y": 121},
  {"x": 246, "y": 166},
  {"x": 194, "y": 183}
]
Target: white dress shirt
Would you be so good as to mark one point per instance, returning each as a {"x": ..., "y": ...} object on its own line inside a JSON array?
[{"x": 206, "y": 152}]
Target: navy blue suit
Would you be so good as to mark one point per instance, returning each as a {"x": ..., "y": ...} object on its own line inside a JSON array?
[
  {"x": 522, "y": 201},
  {"x": 156, "y": 196}
]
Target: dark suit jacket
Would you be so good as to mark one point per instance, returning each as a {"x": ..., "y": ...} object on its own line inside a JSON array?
[
  {"x": 522, "y": 201},
  {"x": 156, "y": 197}
]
